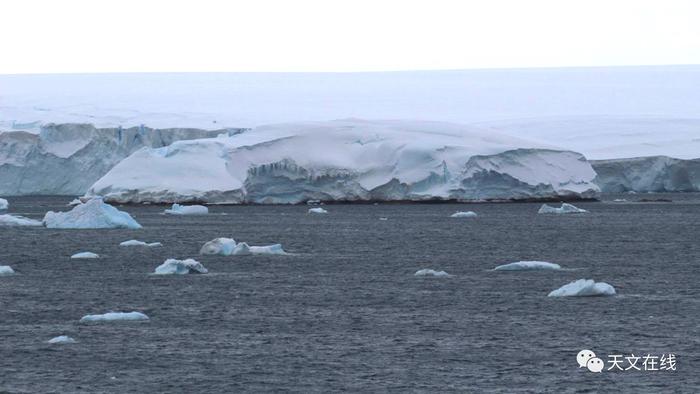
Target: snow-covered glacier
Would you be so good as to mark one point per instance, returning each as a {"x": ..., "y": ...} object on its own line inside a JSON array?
[
  {"x": 349, "y": 160},
  {"x": 648, "y": 174},
  {"x": 67, "y": 158}
]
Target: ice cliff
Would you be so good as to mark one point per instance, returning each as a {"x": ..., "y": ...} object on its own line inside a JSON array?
[
  {"x": 349, "y": 160},
  {"x": 68, "y": 158},
  {"x": 648, "y": 174}
]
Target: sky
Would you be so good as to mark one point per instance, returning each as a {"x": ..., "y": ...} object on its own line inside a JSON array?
[{"x": 89, "y": 36}]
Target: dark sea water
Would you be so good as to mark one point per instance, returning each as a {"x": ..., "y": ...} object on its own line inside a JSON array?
[{"x": 344, "y": 312}]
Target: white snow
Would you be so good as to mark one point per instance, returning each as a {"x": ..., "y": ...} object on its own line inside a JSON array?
[
  {"x": 62, "y": 339},
  {"x": 134, "y": 242},
  {"x": 317, "y": 210},
  {"x": 3, "y": 204},
  {"x": 178, "y": 209},
  {"x": 6, "y": 270},
  {"x": 461, "y": 214},
  {"x": 114, "y": 316},
  {"x": 228, "y": 247},
  {"x": 85, "y": 255},
  {"x": 565, "y": 208},
  {"x": 93, "y": 214},
  {"x": 14, "y": 220},
  {"x": 528, "y": 265},
  {"x": 583, "y": 287},
  {"x": 351, "y": 159},
  {"x": 430, "y": 272},
  {"x": 180, "y": 267}
]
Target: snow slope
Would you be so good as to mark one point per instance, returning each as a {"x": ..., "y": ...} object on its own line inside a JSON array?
[
  {"x": 68, "y": 158},
  {"x": 348, "y": 160}
]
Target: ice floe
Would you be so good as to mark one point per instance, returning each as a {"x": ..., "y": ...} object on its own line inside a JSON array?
[
  {"x": 13, "y": 220},
  {"x": 222, "y": 246},
  {"x": 429, "y": 272},
  {"x": 467, "y": 214},
  {"x": 528, "y": 265},
  {"x": 6, "y": 270},
  {"x": 180, "y": 267},
  {"x": 229, "y": 247},
  {"x": 178, "y": 209},
  {"x": 85, "y": 255},
  {"x": 565, "y": 208},
  {"x": 3, "y": 204},
  {"x": 583, "y": 288},
  {"x": 93, "y": 214},
  {"x": 62, "y": 339},
  {"x": 317, "y": 210},
  {"x": 134, "y": 242},
  {"x": 114, "y": 316}
]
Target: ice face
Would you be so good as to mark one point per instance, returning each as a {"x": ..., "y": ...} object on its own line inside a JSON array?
[
  {"x": 648, "y": 174},
  {"x": 583, "y": 288},
  {"x": 180, "y": 267},
  {"x": 94, "y": 214}
]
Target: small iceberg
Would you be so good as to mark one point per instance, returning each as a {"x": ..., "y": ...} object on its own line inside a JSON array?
[
  {"x": 180, "y": 267},
  {"x": 4, "y": 204},
  {"x": 133, "y": 242},
  {"x": 229, "y": 247},
  {"x": 178, "y": 209},
  {"x": 528, "y": 266},
  {"x": 6, "y": 270},
  {"x": 114, "y": 316},
  {"x": 461, "y": 214},
  {"x": 619, "y": 200},
  {"x": 62, "y": 339},
  {"x": 429, "y": 272},
  {"x": 317, "y": 210},
  {"x": 565, "y": 208},
  {"x": 85, "y": 255},
  {"x": 12, "y": 220},
  {"x": 94, "y": 214},
  {"x": 74, "y": 202},
  {"x": 383, "y": 218},
  {"x": 583, "y": 288}
]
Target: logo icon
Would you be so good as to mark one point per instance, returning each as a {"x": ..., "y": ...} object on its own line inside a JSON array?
[{"x": 583, "y": 356}]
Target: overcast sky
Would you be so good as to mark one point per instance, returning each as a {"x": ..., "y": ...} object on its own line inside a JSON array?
[{"x": 38, "y": 36}]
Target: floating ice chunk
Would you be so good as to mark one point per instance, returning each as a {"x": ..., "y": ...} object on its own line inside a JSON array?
[
  {"x": 528, "y": 265},
  {"x": 180, "y": 267},
  {"x": 178, "y": 209},
  {"x": 565, "y": 208},
  {"x": 133, "y": 242},
  {"x": 92, "y": 214},
  {"x": 243, "y": 249},
  {"x": 3, "y": 204},
  {"x": 6, "y": 270},
  {"x": 74, "y": 202},
  {"x": 383, "y": 218},
  {"x": 85, "y": 255},
  {"x": 582, "y": 288},
  {"x": 467, "y": 214},
  {"x": 12, "y": 220},
  {"x": 429, "y": 272},
  {"x": 114, "y": 316},
  {"x": 62, "y": 339},
  {"x": 317, "y": 210},
  {"x": 619, "y": 200},
  {"x": 222, "y": 246}
]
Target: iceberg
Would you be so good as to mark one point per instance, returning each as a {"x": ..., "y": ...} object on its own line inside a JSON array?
[
  {"x": 6, "y": 270},
  {"x": 229, "y": 247},
  {"x": 3, "y": 204},
  {"x": 180, "y": 267},
  {"x": 114, "y": 316},
  {"x": 565, "y": 208},
  {"x": 63, "y": 339},
  {"x": 349, "y": 160},
  {"x": 527, "y": 266},
  {"x": 13, "y": 220},
  {"x": 94, "y": 214},
  {"x": 85, "y": 255},
  {"x": 429, "y": 272},
  {"x": 467, "y": 214},
  {"x": 222, "y": 246},
  {"x": 74, "y": 202},
  {"x": 133, "y": 242},
  {"x": 242, "y": 249},
  {"x": 178, "y": 209},
  {"x": 583, "y": 288},
  {"x": 317, "y": 210}
]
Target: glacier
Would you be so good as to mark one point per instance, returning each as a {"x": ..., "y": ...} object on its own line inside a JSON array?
[
  {"x": 583, "y": 288},
  {"x": 180, "y": 267},
  {"x": 349, "y": 160},
  {"x": 648, "y": 174},
  {"x": 94, "y": 214},
  {"x": 65, "y": 159}
]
